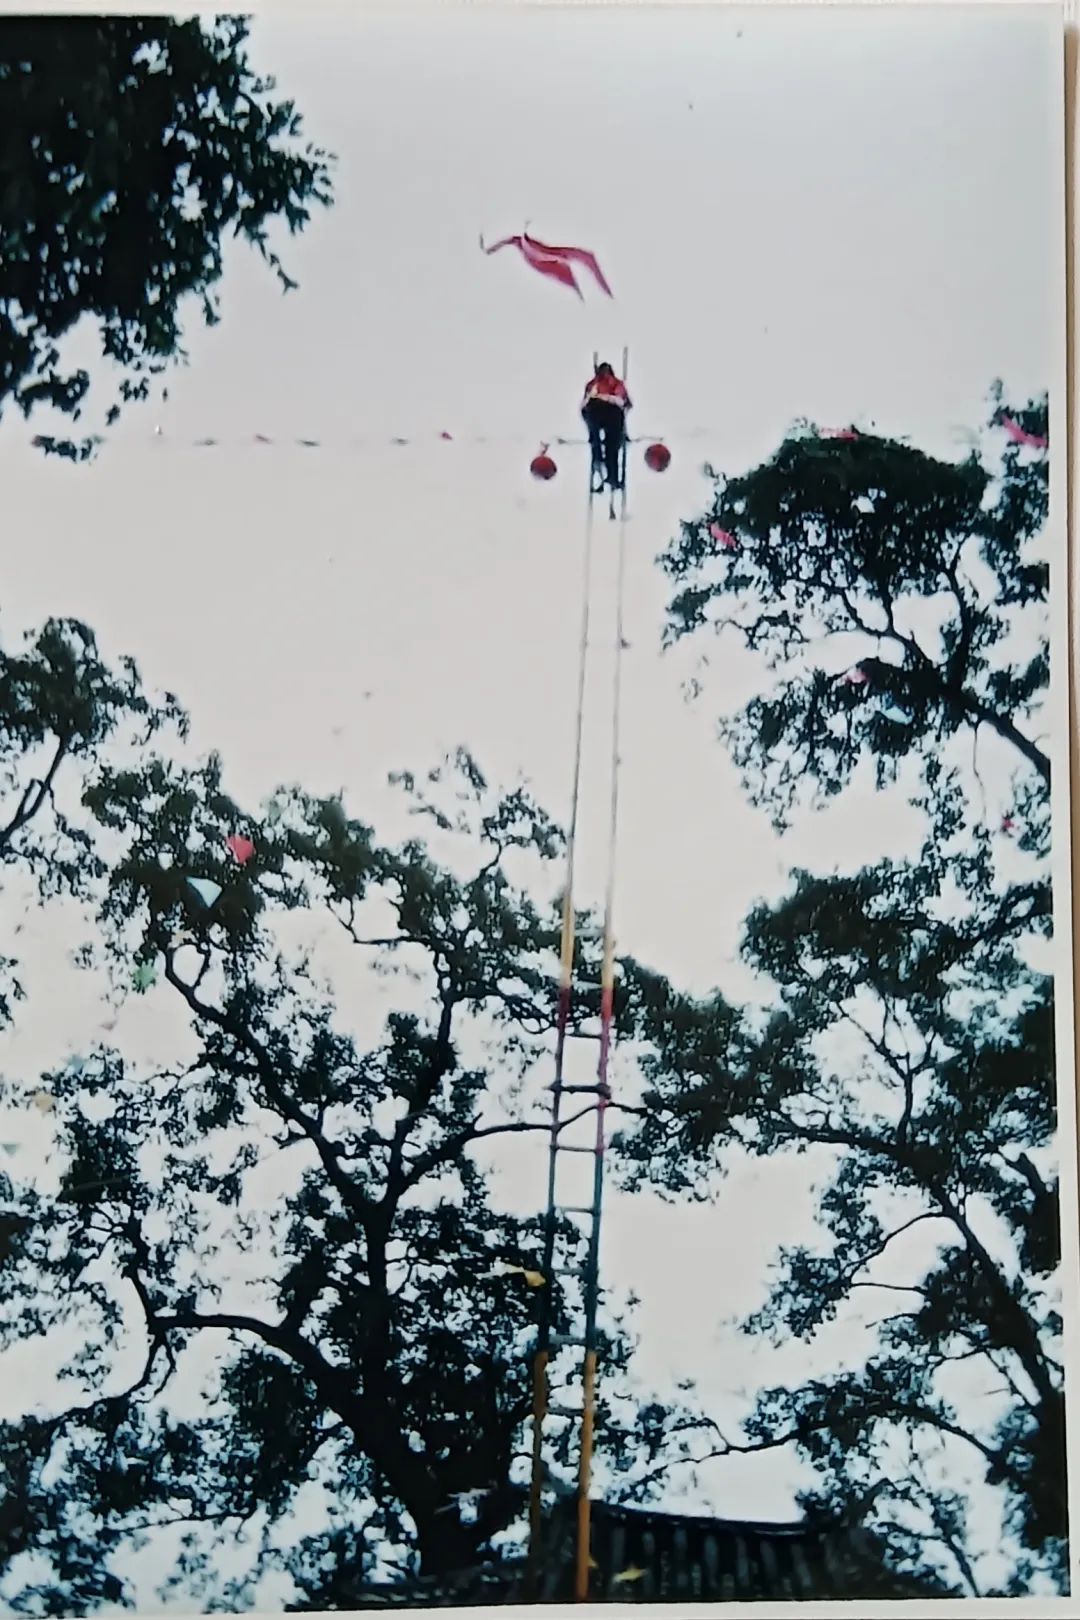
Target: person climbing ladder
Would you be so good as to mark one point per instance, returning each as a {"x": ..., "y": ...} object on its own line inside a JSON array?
[{"x": 604, "y": 411}]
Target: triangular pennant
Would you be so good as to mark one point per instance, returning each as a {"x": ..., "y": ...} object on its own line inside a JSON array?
[
  {"x": 897, "y": 715},
  {"x": 1020, "y": 435},
  {"x": 207, "y": 890},
  {"x": 723, "y": 537},
  {"x": 627, "y": 1577},
  {"x": 144, "y": 976},
  {"x": 240, "y": 847},
  {"x": 501, "y": 1268}
]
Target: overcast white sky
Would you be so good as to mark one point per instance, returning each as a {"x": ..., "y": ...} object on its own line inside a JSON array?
[{"x": 845, "y": 215}]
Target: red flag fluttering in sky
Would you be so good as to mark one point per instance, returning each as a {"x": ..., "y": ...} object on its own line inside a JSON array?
[{"x": 556, "y": 262}]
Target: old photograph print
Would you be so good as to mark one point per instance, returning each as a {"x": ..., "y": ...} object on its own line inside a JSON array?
[{"x": 535, "y": 1039}]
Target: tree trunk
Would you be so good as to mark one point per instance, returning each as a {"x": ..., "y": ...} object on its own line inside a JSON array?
[{"x": 445, "y": 1544}]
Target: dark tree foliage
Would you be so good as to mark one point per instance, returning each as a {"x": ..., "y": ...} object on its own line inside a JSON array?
[
  {"x": 942, "y": 1089},
  {"x": 909, "y": 1053},
  {"x": 380, "y": 1346},
  {"x": 837, "y": 540},
  {"x": 60, "y": 705},
  {"x": 384, "y": 1352},
  {"x": 131, "y": 149}
]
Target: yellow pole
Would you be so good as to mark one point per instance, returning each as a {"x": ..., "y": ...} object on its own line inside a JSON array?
[
  {"x": 540, "y": 1402},
  {"x": 584, "y": 1557}
]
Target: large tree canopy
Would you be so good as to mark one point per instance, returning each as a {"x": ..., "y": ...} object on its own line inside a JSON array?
[
  {"x": 279, "y": 1253},
  {"x": 909, "y": 1055},
  {"x": 381, "y": 1348},
  {"x": 867, "y": 550},
  {"x": 131, "y": 148},
  {"x": 60, "y": 706}
]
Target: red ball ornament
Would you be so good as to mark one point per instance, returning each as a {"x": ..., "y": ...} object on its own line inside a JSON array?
[
  {"x": 658, "y": 457},
  {"x": 542, "y": 466}
]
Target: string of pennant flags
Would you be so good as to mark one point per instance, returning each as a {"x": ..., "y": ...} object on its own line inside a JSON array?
[
  {"x": 43, "y": 441},
  {"x": 1013, "y": 430},
  {"x": 242, "y": 848}
]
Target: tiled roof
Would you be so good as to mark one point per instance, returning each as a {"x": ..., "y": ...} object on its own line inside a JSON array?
[
  {"x": 643, "y": 1556},
  {"x": 649, "y": 1557}
]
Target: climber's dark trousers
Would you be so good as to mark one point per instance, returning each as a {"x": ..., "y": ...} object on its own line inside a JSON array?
[{"x": 606, "y": 423}]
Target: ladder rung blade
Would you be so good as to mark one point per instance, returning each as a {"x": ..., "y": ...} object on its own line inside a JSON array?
[
  {"x": 565, "y": 1411},
  {"x": 595, "y": 1091},
  {"x": 567, "y": 1338},
  {"x": 577, "y": 1209},
  {"x": 567, "y": 1147}
]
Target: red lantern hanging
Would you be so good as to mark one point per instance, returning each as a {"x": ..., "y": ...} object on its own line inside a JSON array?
[
  {"x": 658, "y": 457},
  {"x": 542, "y": 466}
]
